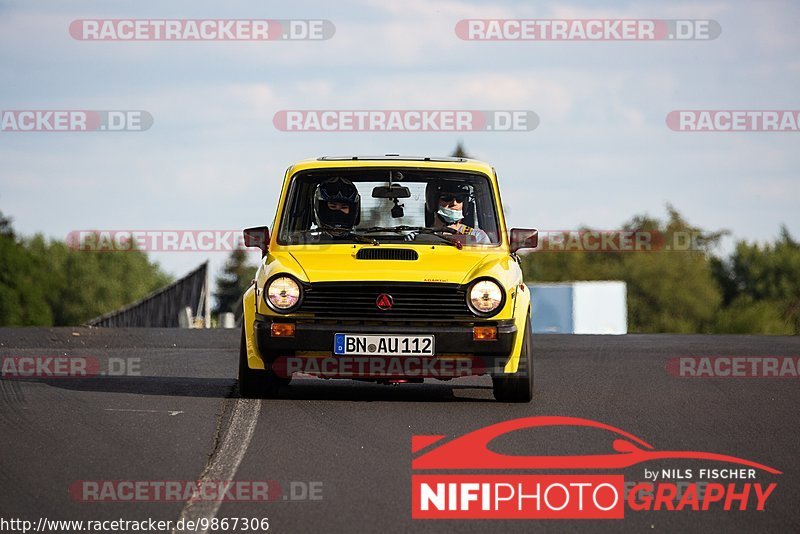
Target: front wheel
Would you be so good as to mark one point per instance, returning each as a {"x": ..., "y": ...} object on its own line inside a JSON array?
[
  {"x": 517, "y": 387},
  {"x": 255, "y": 383}
]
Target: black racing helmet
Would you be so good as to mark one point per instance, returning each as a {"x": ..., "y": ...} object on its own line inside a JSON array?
[{"x": 341, "y": 190}]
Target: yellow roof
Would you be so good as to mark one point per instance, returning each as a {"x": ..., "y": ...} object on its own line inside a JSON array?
[{"x": 331, "y": 162}]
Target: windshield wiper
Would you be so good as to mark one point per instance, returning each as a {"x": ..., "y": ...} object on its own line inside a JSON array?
[
  {"x": 436, "y": 232},
  {"x": 355, "y": 236},
  {"x": 397, "y": 229},
  {"x": 363, "y": 239},
  {"x": 443, "y": 230}
]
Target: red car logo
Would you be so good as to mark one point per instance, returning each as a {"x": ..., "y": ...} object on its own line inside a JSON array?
[
  {"x": 471, "y": 451},
  {"x": 384, "y": 302}
]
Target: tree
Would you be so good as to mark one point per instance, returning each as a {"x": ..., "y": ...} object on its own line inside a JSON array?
[
  {"x": 5, "y": 226},
  {"x": 763, "y": 278},
  {"x": 46, "y": 283},
  {"x": 668, "y": 290},
  {"x": 460, "y": 152},
  {"x": 85, "y": 284},
  {"x": 23, "y": 287},
  {"x": 233, "y": 282}
]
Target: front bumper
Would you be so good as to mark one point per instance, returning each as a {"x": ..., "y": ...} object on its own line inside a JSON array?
[{"x": 452, "y": 340}]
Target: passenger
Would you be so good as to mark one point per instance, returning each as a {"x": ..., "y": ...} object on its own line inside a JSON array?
[{"x": 451, "y": 198}]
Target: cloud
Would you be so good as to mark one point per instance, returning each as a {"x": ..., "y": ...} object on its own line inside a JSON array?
[{"x": 601, "y": 153}]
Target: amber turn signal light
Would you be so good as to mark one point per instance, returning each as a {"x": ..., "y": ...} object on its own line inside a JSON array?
[
  {"x": 282, "y": 329},
  {"x": 484, "y": 333}
]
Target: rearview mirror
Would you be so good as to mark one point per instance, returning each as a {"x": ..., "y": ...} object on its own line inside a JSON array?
[
  {"x": 257, "y": 237},
  {"x": 395, "y": 191},
  {"x": 523, "y": 238}
]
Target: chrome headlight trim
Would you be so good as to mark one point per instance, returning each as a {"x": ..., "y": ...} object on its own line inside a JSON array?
[
  {"x": 482, "y": 281},
  {"x": 291, "y": 286}
]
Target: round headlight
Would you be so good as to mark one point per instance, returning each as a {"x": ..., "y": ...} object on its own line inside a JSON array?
[
  {"x": 283, "y": 293},
  {"x": 485, "y": 296}
]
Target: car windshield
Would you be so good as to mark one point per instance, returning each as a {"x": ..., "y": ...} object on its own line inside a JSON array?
[{"x": 390, "y": 205}]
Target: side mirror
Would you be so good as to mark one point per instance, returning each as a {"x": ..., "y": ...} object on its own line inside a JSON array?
[
  {"x": 523, "y": 238},
  {"x": 257, "y": 237},
  {"x": 394, "y": 191}
]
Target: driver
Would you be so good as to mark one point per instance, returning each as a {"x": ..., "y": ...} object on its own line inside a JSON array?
[
  {"x": 451, "y": 198},
  {"x": 337, "y": 206}
]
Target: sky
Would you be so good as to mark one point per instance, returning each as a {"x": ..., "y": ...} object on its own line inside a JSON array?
[{"x": 213, "y": 159}]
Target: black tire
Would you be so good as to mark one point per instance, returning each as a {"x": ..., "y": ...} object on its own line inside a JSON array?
[
  {"x": 517, "y": 387},
  {"x": 256, "y": 383}
]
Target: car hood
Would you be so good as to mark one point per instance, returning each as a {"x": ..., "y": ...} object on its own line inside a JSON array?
[{"x": 443, "y": 264}]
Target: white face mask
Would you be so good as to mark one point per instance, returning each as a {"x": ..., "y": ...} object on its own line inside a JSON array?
[{"x": 450, "y": 216}]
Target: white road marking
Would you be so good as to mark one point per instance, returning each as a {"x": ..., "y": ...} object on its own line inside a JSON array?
[
  {"x": 171, "y": 412},
  {"x": 226, "y": 461}
]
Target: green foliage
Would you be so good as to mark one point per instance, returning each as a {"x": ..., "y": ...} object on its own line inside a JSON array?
[
  {"x": 668, "y": 290},
  {"x": 5, "y": 226},
  {"x": 754, "y": 291},
  {"x": 687, "y": 289},
  {"x": 233, "y": 282},
  {"x": 23, "y": 292},
  {"x": 743, "y": 316},
  {"x": 764, "y": 277},
  {"x": 46, "y": 283},
  {"x": 88, "y": 284}
]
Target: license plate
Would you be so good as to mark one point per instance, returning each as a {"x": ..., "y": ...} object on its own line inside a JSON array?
[{"x": 383, "y": 345}]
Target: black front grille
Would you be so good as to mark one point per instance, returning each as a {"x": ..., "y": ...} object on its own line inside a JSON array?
[
  {"x": 403, "y": 254},
  {"x": 410, "y": 301}
]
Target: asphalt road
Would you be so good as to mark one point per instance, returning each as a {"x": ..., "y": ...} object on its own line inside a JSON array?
[{"x": 174, "y": 415}]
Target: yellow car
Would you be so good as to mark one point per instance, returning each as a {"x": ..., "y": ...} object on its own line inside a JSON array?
[{"x": 390, "y": 269}]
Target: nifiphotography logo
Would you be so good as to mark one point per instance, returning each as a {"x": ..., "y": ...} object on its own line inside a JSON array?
[{"x": 451, "y": 478}]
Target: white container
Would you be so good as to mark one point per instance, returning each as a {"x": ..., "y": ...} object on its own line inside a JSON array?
[
  {"x": 598, "y": 307},
  {"x": 227, "y": 320}
]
